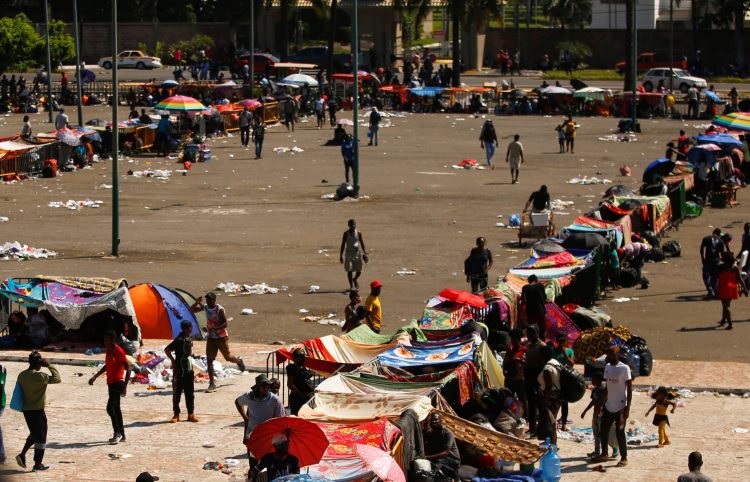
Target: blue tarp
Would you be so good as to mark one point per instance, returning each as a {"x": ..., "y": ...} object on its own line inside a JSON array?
[
  {"x": 722, "y": 140},
  {"x": 412, "y": 356},
  {"x": 427, "y": 91}
]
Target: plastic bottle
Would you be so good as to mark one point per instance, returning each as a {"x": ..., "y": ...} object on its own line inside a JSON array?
[{"x": 550, "y": 463}]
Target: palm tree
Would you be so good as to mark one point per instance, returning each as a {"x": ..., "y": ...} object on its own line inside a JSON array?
[
  {"x": 569, "y": 13},
  {"x": 732, "y": 12}
]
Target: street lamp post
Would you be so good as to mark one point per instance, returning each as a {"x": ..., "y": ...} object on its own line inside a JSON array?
[
  {"x": 355, "y": 107},
  {"x": 671, "y": 46},
  {"x": 252, "y": 49},
  {"x": 115, "y": 140},
  {"x": 634, "y": 66},
  {"x": 79, "y": 90},
  {"x": 49, "y": 61}
]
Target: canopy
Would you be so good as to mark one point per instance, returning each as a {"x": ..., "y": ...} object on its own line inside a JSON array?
[
  {"x": 402, "y": 356},
  {"x": 170, "y": 83},
  {"x": 427, "y": 91},
  {"x": 328, "y": 354},
  {"x": 347, "y": 406},
  {"x": 661, "y": 167},
  {"x": 590, "y": 92},
  {"x": 307, "y": 441},
  {"x": 300, "y": 79},
  {"x": 739, "y": 121},
  {"x": 585, "y": 241},
  {"x": 161, "y": 311},
  {"x": 721, "y": 140},
  {"x": 181, "y": 103},
  {"x": 553, "y": 89}
]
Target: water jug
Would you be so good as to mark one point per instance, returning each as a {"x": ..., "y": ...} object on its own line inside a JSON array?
[{"x": 550, "y": 463}]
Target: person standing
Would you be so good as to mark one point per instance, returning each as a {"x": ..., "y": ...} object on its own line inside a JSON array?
[
  {"x": 534, "y": 299},
  {"x": 118, "y": 374},
  {"x": 255, "y": 407},
  {"x": 488, "y": 141},
  {"x": 561, "y": 138},
  {"x": 289, "y": 114},
  {"x": 217, "y": 336},
  {"x": 180, "y": 353},
  {"x": 350, "y": 311},
  {"x": 374, "y": 125},
  {"x": 513, "y": 367},
  {"x": 352, "y": 253},
  {"x": 549, "y": 387},
  {"x": 535, "y": 362},
  {"x": 259, "y": 133},
  {"x": 26, "y": 129},
  {"x": 332, "y": 107},
  {"x": 347, "y": 153},
  {"x": 565, "y": 356},
  {"x": 693, "y": 105},
  {"x": 34, "y": 388},
  {"x": 320, "y": 111},
  {"x": 299, "y": 381},
  {"x": 246, "y": 118},
  {"x": 61, "y": 120},
  {"x": 730, "y": 286},
  {"x": 711, "y": 250},
  {"x": 695, "y": 463},
  {"x": 514, "y": 158},
  {"x": 569, "y": 128},
  {"x": 617, "y": 398},
  {"x": 478, "y": 265},
  {"x": 373, "y": 307},
  {"x": 3, "y": 382}
]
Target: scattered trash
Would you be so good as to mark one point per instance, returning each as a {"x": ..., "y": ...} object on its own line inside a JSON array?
[
  {"x": 157, "y": 174},
  {"x": 559, "y": 205},
  {"x": 331, "y": 319},
  {"x": 75, "y": 205},
  {"x": 282, "y": 150},
  {"x": 740, "y": 430},
  {"x": 103, "y": 186},
  {"x": 243, "y": 289},
  {"x": 231, "y": 462},
  {"x": 406, "y": 272},
  {"x": 588, "y": 180},
  {"x": 119, "y": 456},
  {"x": 622, "y": 138},
  {"x": 624, "y": 299},
  {"x": 3, "y": 219},
  {"x": 247, "y": 311},
  {"x": 468, "y": 164},
  {"x": 212, "y": 466},
  {"x": 16, "y": 250},
  {"x": 313, "y": 289},
  {"x": 303, "y": 311}
]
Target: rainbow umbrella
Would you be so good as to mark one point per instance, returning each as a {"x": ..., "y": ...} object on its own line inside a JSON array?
[
  {"x": 180, "y": 103},
  {"x": 736, "y": 121}
]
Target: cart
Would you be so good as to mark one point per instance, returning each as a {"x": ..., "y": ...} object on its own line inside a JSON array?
[{"x": 536, "y": 225}]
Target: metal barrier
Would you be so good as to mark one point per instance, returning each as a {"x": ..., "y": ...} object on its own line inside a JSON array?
[
  {"x": 272, "y": 112},
  {"x": 31, "y": 162},
  {"x": 231, "y": 120},
  {"x": 278, "y": 371}
]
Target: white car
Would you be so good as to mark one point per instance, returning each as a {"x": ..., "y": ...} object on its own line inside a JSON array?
[
  {"x": 131, "y": 59},
  {"x": 681, "y": 79}
]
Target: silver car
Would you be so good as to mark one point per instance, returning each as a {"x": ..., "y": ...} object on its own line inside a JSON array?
[{"x": 680, "y": 79}]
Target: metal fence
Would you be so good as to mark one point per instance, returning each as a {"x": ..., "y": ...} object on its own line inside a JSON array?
[
  {"x": 278, "y": 371},
  {"x": 31, "y": 162}
]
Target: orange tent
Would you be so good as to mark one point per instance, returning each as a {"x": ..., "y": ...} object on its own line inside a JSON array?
[{"x": 160, "y": 311}]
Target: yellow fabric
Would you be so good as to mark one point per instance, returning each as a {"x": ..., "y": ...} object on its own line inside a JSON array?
[
  {"x": 663, "y": 437},
  {"x": 570, "y": 129},
  {"x": 491, "y": 368},
  {"x": 372, "y": 304}
]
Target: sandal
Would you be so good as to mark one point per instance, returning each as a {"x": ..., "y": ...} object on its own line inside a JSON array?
[
  {"x": 729, "y": 327},
  {"x": 622, "y": 463}
]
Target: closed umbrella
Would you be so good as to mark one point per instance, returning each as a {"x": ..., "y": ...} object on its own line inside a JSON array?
[
  {"x": 300, "y": 79},
  {"x": 307, "y": 441},
  {"x": 380, "y": 462},
  {"x": 462, "y": 297}
]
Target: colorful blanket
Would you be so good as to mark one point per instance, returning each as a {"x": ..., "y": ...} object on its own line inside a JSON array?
[
  {"x": 466, "y": 372},
  {"x": 401, "y": 356},
  {"x": 362, "y": 384},
  {"x": 444, "y": 316},
  {"x": 342, "y": 438},
  {"x": 337, "y": 407},
  {"x": 330, "y": 353},
  {"x": 557, "y": 260},
  {"x": 559, "y": 322}
]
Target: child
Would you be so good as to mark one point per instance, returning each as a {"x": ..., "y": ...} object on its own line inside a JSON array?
[
  {"x": 597, "y": 399},
  {"x": 661, "y": 420},
  {"x": 561, "y": 138}
]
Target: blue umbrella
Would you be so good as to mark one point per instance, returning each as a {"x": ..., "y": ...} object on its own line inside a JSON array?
[
  {"x": 170, "y": 83},
  {"x": 661, "y": 166},
  {"x": 87, "y": 75},
  {"x": 710, "y": 94},
  {"x": 723, "y": 140}
]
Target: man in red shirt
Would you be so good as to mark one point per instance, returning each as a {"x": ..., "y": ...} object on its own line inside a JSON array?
[
  {"x": 118, "y": 373},
  {"x": 683, "y": 143}
]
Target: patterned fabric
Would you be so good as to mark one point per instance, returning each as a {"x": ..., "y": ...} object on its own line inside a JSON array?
[
  {"x": 593, "y": 343},
  {"x": 444, "y": 316},
  {"x": 466, "y": 372},
  {"x": 100, "y": 285},
  {"x": 559, "y": 322},
  {"x": 402, "y": 356},
  {"x": 334, "y": 407},
  {"x": 342, "y": 438}
]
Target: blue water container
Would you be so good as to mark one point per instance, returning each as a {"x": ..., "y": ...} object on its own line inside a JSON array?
[{"x": 550, "y": 463}]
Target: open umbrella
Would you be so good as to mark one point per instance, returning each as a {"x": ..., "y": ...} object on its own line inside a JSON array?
[
  {"x": 462, "y": 297},
  {"x": 87, "y": 75},
  {"x": 251, "y": 104},
  {"x": 585, "y": 241},
  {"x": 300, "y": 79},
  {"x": 553, "y": 89},
  {"x": 710, "y": 94},
  {"x": 301, "y": 478},
  {"x": 345, "y": 122},
  {"x": 68, "y": 137},
  {"x": 721, "y": 140},
  {"x": 544, "y": 247},
  {"x": 307, "y": 441},
  {"x": 738, "y": 121},
  {"x": 180, "y": 103},
  {"x": 170, "y": 83},
  {"x": 381, "y": 463},
  {"x": 661, "y": 167}
]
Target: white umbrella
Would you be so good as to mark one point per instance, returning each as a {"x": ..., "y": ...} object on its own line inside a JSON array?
[
  {"x": 345, "y": 122},
  {"x": 553, "y": 89},
  {"x": 300, "y": 79}
]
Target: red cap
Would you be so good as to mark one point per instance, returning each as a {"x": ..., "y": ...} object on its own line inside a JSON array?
[{"x": 375, "y": 284}]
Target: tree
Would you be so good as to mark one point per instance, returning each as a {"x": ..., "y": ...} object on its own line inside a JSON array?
[
  {"x": 19, "y": 43},
  {"x": 570, "y": 13},
  {"x": 458, "y": 9},
  {"x": 629, "y": 79},
  {"x": 732, "y": 12},
  {"x": 284, "y": 28},
  {"x": 477, "y": 19},
  {"x": 61, "y": 44}
]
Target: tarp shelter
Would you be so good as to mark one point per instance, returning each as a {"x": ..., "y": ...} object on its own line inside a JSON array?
[
  {"x": 71, "y": 300},
  {"x": 161, "y": 310}
]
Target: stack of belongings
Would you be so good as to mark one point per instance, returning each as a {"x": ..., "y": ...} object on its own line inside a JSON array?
[{"x": 591, "y": 347}]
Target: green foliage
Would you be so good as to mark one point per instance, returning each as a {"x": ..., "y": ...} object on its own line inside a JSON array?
[
  {"x": 159, "y": 50},
  {"x": 190, "y": 48},
  {"x": 578, "y": 50},
  {"x": 61, "y": 44},
  {"x": 19, "y": 43},
  {"x": 569, "y": 13}
]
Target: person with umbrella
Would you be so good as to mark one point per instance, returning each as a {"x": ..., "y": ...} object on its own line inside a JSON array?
[
  {"x": 255, "y": 407},
  {"x": 279, "y": 462}
]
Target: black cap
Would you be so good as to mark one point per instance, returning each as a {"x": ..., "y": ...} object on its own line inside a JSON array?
[{"x": 146, "y": 477}]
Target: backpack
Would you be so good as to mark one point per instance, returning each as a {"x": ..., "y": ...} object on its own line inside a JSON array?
[
  {"x": 572, "y": 384},
  {"x": 627, "y": 277},
  {"x": 657, "y": 255},
  {"x": 672, "y": 249}
]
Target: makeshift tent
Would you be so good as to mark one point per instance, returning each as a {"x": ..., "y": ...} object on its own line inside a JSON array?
[
  {"x": 161, "y": 310},
  {"x": 329, "y": 354},
  {"x": 401, "y": 356},
  {"x": 352, "y": 406}
]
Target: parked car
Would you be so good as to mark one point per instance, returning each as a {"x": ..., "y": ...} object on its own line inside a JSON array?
[
  {"x": 647, "y": 61},
  {"x": 319, "y": 56},
  {"x": 131, "y": 59},
  {"x": 681, "y": 79},
  {"x": 262, "y": 60}
]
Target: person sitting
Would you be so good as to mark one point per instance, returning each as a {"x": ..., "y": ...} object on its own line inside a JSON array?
[
  {"x": 279, "y": 462},
  {"x": 539, "y": 201},
  {"x": 440, "y": 446},
  {"x": 695, "y": 462},
  {"x": 144, "y": 118}
]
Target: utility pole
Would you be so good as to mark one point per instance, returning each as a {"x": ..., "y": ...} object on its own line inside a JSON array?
[
  {"x": 115, "y": 141},
  {"x": 79, "y": 90},
  {"x": 671, "y": 46},
  {"x": 49, "y": 61},
  {"x": 252, "y": 49},
  {"x": 634, "y": 65},
  {"x": 355, "y": 107}
]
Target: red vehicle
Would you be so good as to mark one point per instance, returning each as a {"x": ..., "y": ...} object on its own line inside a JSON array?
[
  {"x": 647, "y": 61},
  {"x": 262, "y": 60}
]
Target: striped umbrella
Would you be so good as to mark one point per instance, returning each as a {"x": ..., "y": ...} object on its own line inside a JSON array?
[
  {"x": 181, "y": 103},
  {"x": 736, "y": 121}
]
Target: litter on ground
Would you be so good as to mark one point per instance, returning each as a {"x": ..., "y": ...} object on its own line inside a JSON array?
[
  {"x": 588, "y": 180},
  {"x": 75, "y": 205},
  {"x": 16, "y": 250},
  {"x": 242, "y": 289}
]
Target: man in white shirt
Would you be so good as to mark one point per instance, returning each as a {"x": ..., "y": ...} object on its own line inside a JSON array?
[
  {"x": 61, "y": 120},
  {"x": 616, "y": 408}
]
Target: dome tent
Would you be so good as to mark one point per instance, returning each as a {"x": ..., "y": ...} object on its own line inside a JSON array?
[{"x": 162, "y": 309}]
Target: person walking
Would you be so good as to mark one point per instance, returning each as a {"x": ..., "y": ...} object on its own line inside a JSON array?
[
  {"x": 373, "y": 307},
  {"x": 217, "y": 336},
  {"x": 514, "y": 158},
  {"x": 711, "y": 250},
  {"x": 617, "y": 399},
  {"x": 320, "y": 111},
  {"x": 478, "y": 265},
  {"x": 488, "y": 141},
  {"x": 347, "y": 153},
  {"x": 259, "y": 133},
  {"x": 180, "y": 353},
  {"x": 117, "y": 369},
  {"x": 692, "y": 99},
  {"x": 3, "y": 382},
  {"x": 246, "y": 118},
  {"x": 569, "y": 128},
  {"x": 375, "y": 118},
  {"x": 34, "y": 388},
  {"x": 332, "y": 107},
  {"x": 352, "y": 253},
  {"x": 730, "y": 286}
]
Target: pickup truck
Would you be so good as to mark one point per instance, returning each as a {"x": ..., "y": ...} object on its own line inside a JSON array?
[
  {"x": 131, "y": 58},
  {"x": 647, "y": 61}
]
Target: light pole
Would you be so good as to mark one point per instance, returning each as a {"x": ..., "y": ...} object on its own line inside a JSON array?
[
  {"x": 115, "y": 140},
  {"x": 49, "y": 61},
  {"x": 355, "y": 107},
  {"x": 252, "y": 49},
  {"x": 634, "y": 65},
  {"x": 671, "y": 46},
  {"x": 79, "y": 90}
]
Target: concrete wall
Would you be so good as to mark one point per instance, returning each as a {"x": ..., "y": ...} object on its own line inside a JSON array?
[{"x": 608, "y": 46}]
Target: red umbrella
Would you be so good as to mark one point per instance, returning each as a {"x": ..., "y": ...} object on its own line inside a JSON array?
[
  {"x": 380, "y": 462},
  {"x": 462, "y": 297},
  {"x": 307, "y": 441},
  {"x": 250, "y": 104}
]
